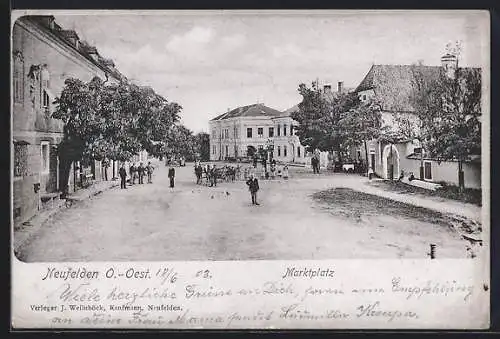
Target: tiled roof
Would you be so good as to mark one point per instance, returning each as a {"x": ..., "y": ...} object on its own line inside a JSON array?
[
  {"x": 255, "y": 110},
  {"x": 393, "y": 84},
  {"x": 41, "y": 21}
]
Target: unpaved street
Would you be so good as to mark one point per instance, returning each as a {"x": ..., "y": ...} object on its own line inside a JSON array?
[{"x": 152, "y": 222}]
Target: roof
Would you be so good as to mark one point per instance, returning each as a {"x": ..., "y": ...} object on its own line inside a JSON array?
[
  {"x": 288, "y": 112},
  {"x": 64, "y": 36},
  {"x": 255, "y": 110},
  {"x": 393, "y": 84}
]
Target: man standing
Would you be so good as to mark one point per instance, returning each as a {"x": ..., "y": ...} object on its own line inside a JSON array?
[
  {"x": 141, "y": 170},
  {"x": 123, "y": 177},
  {"x": 149, "y": 170},
  {"x": 199, "y": 172},
  {"x": 213, "y": 176},
  {"x": 253, "y": 187},
  {"x": 171, "y": 175},
  {"x": 105, "y": 165},
  {"x": 133, "y": 171}
]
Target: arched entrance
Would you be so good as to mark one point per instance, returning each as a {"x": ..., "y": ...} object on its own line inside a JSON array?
[{"x": 390, "y": 162}]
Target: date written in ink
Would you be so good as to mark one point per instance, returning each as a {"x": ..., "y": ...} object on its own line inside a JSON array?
[{"x": 166, "y": 275}]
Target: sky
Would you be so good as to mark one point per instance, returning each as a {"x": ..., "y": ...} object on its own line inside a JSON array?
[{"x": 210, "y": 62}]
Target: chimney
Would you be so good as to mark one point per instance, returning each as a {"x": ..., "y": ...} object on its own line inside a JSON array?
[
  {"x": 327, "y": 88},
  {"x": 340, "y": 86},
  {"x": 449, "y": 62}
]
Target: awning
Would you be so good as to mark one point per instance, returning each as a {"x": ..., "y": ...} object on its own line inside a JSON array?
[{"x": 20, "y": 142}]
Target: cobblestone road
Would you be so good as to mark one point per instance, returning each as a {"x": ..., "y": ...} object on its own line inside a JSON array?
[{"x": 152, "y": 222}]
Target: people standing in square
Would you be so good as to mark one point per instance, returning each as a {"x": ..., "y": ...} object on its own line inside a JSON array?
[
  {"x": 141, "y": 169},
  {"x": 123, "y": 177},
  {"x": 149, "y": 170},
  {"x": 133, "y": 173},
  {"x": 171, "y": 175},
  {"x": 253, "y": 187}
]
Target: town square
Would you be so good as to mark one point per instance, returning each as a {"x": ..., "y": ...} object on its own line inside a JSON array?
[{"x": 242, "y": 137}]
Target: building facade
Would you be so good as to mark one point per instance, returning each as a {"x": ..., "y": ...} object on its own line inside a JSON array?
[
  {"x": 392, "y": 86},
  {"x": 257, "y": 126},
  {"x": 43, "y": 56}
]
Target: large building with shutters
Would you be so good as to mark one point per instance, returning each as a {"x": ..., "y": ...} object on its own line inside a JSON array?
[
  {"x": 257, "y": 126},
  {"x": 43, "y": 56}
]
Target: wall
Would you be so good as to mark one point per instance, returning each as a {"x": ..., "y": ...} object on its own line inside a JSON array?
[{"x": 30, "y": 122}]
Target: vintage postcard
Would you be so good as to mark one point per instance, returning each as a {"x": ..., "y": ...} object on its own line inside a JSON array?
[{"x": 250, "y": 169}]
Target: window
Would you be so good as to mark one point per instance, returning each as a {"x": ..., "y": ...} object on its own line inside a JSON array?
[
  {"x": 235, "y": 151},
  {"x": 271, "y": 132},
  {"x": 18, "y": 78},
  {"x": 46, "y": 100},
  {"x": 44, "y": 149},
  {"x": 44, "y": 88},
  {"x": 284, "y": 130},
  {"x": 279, "y": 149},
  {"x": 226, "y": 133},
  {"x": 249, "y": 132},
  {"x": 298, "y": 152},
  {"x": 260, "y": 132},
  {"x": 214, "y": 133},
  {"x": 214, "y": 149},
  {"x": 427, "y": 170},
  {"x": 20, "y": 160},
  {"x": 227, "y": 150},
  {"x": 284, "y": 151},
  {"x": 364, "y": 97},
  {"x": 291, "y": 129},
  {"x": 279, "y": 130}
]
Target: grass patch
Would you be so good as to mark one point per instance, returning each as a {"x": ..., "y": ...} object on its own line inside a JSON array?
[
  {"x": 353, "y": 204},
  {"x": 469, "y": 195}
]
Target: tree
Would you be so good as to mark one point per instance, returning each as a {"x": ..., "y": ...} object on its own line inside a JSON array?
[
  {"x": 361, "y": 123},
  {"x": 203, "y": 145},
  {"x": 115, "y": 121},
  {"x": 452, "y": 107},
  {"x": 319, "y": 117},
  {"x": 411, "y": 125}
]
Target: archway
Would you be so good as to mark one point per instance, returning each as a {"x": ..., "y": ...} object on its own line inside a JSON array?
[{"x": 390, "y": 156}]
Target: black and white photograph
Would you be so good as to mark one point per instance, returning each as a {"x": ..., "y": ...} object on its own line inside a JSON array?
[
  {"x": 246, "y": 137},
  {"x": 250, "y": 169}
]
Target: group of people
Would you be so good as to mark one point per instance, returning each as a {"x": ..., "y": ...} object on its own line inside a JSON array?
[
  {"x": 136, "y": 173},
  {"x": 212, "y": 173},
  {"x": 274, "y": 171}
]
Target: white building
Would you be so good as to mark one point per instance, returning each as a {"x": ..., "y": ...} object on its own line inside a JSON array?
[
  {"x": 258, "y": 126},
  {"x": 391, "y": 85}
]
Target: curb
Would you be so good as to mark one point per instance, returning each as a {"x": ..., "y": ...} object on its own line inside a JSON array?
[{"x": 22, "y": 236}]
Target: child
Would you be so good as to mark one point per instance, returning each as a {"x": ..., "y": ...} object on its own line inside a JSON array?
[{"x": 285, "y": 172}]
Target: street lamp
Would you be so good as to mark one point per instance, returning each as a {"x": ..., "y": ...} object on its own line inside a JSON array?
[{"x": 270, "y": 148}]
